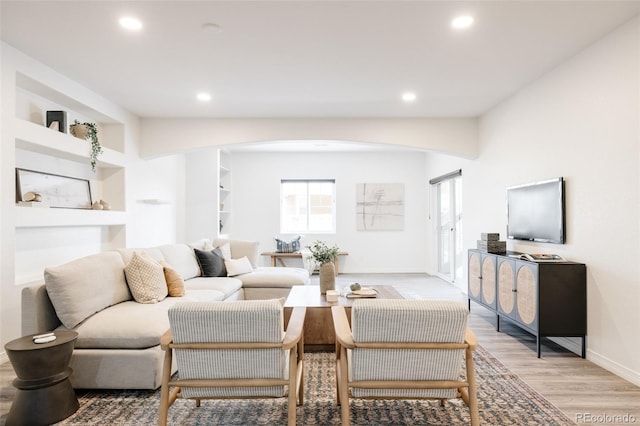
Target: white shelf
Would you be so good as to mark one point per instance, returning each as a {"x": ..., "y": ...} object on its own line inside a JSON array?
[
  {"x": 36, "y": 138},
  {"x": 224, "y": 170},
  {"x": 225, "y": 213},
  {"x": 40, "y": 217}
]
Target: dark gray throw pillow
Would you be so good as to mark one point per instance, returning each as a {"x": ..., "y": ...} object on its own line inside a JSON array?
[{"x": 211, "y": 263}]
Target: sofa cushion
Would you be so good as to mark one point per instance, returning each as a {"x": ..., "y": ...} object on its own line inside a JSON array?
[
  {"x": 202, "y": 244},
  {"x": 182, "y": 258},
  {"x": 237, "y": 266},
  {"x": 127, "y": 253},
  {"x": 131, "y": 325},
  {"x": 81, "y": 288},
  {"x": 241, "y": 248},
  {"x": 211, "y": 263},
  {"x": 228, "y": 286},
  {"x": 268, "y": 276},
  {"x": 145, "y": 277},
  {"x": 175, "y": 283}
]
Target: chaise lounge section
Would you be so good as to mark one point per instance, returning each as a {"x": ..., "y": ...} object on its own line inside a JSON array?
[{"x": 118, "y": 344}]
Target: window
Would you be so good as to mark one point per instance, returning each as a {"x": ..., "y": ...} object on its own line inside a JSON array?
[{"x": 307, "y": 206}]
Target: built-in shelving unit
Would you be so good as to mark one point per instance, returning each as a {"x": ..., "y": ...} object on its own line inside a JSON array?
[
  {"x": 47, "y": 236},
  {"x": 224, "y": 193},
  {"x": 52, "y": 151}
]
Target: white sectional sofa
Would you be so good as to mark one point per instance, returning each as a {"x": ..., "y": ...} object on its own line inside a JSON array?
[{"x": 118, "y": 342}]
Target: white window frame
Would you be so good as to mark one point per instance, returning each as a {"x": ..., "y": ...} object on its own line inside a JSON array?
[{"x": 306, "y": 230}]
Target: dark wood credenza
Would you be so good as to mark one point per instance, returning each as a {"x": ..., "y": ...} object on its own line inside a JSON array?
[{"x": 547, "y": 299}]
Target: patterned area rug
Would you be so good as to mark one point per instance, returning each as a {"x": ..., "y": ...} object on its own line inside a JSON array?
[{"x": 504, "y": 399}]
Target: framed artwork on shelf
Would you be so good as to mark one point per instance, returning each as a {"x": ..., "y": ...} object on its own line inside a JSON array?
[{"x": 52, "y": 190}]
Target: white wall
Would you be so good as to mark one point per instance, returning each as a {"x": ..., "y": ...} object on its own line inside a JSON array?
[
  {"x": 201, "y": 194},
  {"x": 580, "y": 121},
  {"x": 256, "y": 203}
]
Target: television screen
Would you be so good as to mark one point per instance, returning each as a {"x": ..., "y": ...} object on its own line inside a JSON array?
[{"x": 535, "y": 211}]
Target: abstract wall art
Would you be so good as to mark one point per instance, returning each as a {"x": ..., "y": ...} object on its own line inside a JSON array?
[{"x": 380, "y": 206}]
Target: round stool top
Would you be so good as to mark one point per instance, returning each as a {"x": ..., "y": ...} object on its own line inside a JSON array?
[{"x": 26, "y": 343}]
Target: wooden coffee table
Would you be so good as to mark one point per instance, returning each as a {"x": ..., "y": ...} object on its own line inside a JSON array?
[{"x": 319, "y": 334}]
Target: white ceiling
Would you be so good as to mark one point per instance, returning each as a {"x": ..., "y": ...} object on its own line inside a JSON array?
[{"x": 307, "y": 58}]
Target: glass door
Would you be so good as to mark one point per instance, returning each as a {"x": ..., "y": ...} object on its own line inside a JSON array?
[{"x": 449, "y": 228}]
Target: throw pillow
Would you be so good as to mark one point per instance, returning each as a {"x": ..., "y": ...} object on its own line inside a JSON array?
[
  {"x": 211, "y": 263},
  {"x": 283, "y": 246},
  {"x": 225, "y": 249},
  {"x": 238, "y": 266},
  {"x": 145, "y": 277},
  {"x": 175, "y": 283},
  {"x": 81, "y": 288}
]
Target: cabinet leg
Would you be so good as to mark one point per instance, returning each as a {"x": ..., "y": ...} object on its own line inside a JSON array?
[
  {"x": 584, "y": 347},
  {"x": 538, "y": 344},
  {"x": 469, "y": 303},
  {"x": 497, "y": 322}
]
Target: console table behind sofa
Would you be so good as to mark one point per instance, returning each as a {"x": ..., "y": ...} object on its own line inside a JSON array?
[{"x": 276, "y": 258}]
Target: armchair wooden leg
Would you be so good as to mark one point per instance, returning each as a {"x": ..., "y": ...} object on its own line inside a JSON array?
[
  {"x": 343, "y": 388},
  {"x": 301, "y": 371},
  {"x": 338, "y": 373},
  {"x": 164, "y": 390},
  {"x": 293, "y": 388},
  {"x": 473, "y": 391}
]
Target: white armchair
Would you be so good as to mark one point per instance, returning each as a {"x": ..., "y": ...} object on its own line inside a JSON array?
[
  {"x": 233, "y": 350},
  {"x": 404, "y": 349}
]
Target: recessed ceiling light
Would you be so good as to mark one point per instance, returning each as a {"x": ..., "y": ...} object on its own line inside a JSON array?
[
  {"x": 204, "y": 97},
  {"x": 130, "y": 23},
  {"x": 462, "y": 22},
  {"x": 409, "y": 97}
]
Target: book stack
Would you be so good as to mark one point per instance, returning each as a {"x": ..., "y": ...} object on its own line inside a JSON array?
[{"x": 490, "y": 242}]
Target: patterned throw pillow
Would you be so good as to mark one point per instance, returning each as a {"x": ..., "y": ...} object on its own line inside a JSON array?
[
  {"x": 145, "y": 278},
  {"x": 292, "y": 246},
  {"x": 175, "y": 283}
]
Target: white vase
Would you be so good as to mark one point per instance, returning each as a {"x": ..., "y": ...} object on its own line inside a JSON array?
[{"x": 327, "y": 277}]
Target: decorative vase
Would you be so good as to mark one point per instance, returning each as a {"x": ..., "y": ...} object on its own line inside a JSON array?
[
  {"x": 80, "y": 131},
  {"x": 327, "y": 277}
]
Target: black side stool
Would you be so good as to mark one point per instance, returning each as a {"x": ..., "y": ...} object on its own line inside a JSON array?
[{"x": 45, "y": 394}]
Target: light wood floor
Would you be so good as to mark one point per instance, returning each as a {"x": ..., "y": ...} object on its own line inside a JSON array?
[{"x": 576, "y": 386}]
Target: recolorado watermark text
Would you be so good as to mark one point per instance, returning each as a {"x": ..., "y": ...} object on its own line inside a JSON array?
[{"x": 604, "y": 418}]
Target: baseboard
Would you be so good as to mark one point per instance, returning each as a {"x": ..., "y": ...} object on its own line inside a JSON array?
[{"x": 614, "y": 367}]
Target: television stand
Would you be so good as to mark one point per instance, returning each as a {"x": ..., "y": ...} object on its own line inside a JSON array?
[{"x": 547, "y": 299}]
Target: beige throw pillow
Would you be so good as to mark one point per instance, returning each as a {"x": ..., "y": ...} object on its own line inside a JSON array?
[
  {"x": 175, "y": 283},
  {"x": 238, "y": 266},
  {"x": 145, "y": 277},
  {"x": 81, "y": 288},
  {"x": 226, "y": 251}
]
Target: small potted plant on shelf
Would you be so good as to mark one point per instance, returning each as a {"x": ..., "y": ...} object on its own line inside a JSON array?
[
  {"x": 324, "y": 256},
  {"x": 88, "y": 131}
]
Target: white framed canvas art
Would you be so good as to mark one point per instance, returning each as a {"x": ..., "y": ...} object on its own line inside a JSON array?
[{"x": 380, "y": 206}]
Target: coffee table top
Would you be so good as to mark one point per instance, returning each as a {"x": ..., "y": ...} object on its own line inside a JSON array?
[{"x": 309, "y": 296}]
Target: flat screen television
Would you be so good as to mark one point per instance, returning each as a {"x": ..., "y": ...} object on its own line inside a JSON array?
[{"x": 536, "y": 211}]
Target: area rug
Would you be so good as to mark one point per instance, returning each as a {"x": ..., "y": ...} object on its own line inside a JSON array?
[{"x": 504, "y": 399}]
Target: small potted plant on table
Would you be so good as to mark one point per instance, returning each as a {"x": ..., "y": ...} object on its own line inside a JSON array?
[{"x": 324, "y": 256}]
